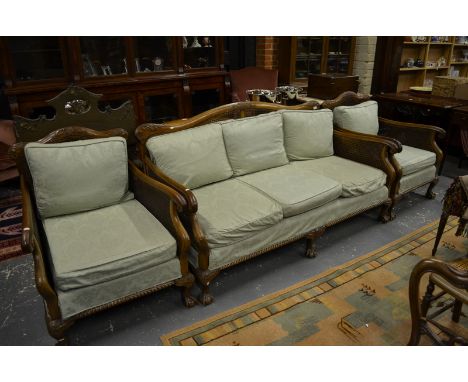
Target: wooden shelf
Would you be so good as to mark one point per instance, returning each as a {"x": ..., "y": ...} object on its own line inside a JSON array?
[
  {"x": 459, "y": 63},
  {"x": 441, "y": 43},
  {"x": 411, "y": 69},
  {"x": 436, "y": 68},
  {"x": 415, "y": 43},
  {"x": 465, "y": 45}
]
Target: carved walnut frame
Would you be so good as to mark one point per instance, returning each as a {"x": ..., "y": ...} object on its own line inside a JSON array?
[
  {"x": 364, "y": 149},
  {"x": 161, "y": 200}
]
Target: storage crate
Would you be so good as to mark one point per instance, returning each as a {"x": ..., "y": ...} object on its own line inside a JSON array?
[{"x": 445, "y": 86}]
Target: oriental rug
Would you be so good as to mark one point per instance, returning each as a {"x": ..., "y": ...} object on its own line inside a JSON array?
[
  {"x": 10, "y": 226},
  {"x": 362, "y": 302}
]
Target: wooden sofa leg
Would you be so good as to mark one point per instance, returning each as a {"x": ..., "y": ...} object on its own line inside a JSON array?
[
  {"x": 387, "y": 212},
  {"x": 186, "y": 283},
  {"x": 430, "y": 194},
  {"x": 58, "y": 330},
  {"x": 311, "y": 250},
  {"x": 204, "y": 278},
  {"x": 457, "y": 309}
]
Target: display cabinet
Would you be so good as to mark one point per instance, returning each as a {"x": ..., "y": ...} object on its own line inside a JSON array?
[
  {"x": 164, "y": 77},
  {"x": 301, "y": 56},
  {"x": 409, "y": 62}
]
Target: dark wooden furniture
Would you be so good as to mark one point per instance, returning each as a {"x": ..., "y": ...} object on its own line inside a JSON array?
[
  {"x": 328, "y": 86},
  {"x": 459, "y": 125},
  {"x": 299, "y": 56},
  {"x": 76, "y": 106},
  {"x": 164, "y": 77},
  {"x": 7, "y": 139},
  {"x": 455, "y": 204},
  {"x": 392, "y": 72},
  {"x": 452, "y": 279},
  {"x": 423, "y": 109},
  {"x": 163, "y": 202},
  {"x": 366, "y": 149},
  {"x": 400, "y": 133}
]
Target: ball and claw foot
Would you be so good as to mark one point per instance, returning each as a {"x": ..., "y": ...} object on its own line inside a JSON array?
[
  {"x": 430, "y": 194},
  {"x": 311, "y": 253},
  {"x": 206, "y": 298},
  {"x": 189, "y": 301}
]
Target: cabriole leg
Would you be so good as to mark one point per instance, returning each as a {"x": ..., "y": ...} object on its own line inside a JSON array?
[
  {"x": 430, "y": 194},
  {"x": 311, "y": 250}
]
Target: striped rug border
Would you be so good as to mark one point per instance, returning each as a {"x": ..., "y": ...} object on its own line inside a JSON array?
[{"x": 248, "y": 313}]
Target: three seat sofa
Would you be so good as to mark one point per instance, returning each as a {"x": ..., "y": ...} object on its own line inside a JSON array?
[{"x": 254, "y": 181}]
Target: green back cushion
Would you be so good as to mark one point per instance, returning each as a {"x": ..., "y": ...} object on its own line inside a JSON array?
[
  {"x": 194, "y": 157},
  {"x": 308, "y": 134},
  {"x": 78, "y": 176},
  {"x": 362, "y": 118},
  {"x": 255, "y": 143}
]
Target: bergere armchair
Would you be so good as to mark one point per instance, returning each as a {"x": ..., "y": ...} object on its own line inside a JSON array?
[
  {"x": 100, "y": 231},
  {"x": 420, "y": 157}
]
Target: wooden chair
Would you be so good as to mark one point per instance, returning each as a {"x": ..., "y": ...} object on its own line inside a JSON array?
[
  {"x": 452, "y": 279},
  {"x": 251, "y": 78},
  {"x": 100, "y": 235},
  {"x": 413, "y": 164}
]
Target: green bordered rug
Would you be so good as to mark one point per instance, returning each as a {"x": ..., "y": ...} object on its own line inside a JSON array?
[{"x": 362, "y": 302}]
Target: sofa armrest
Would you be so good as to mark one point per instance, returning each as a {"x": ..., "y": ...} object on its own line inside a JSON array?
[
  {"x": 414, "y": 134},
  {"x": 153, "y": 171},
  {"x": 371, "y": 150}
]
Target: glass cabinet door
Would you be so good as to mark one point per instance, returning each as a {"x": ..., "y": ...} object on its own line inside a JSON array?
[
  {"x": 308, "y": 56},
  {"x": 199, "y": 52},
  {"x": 161, "y": 108},
  {"x": 36, "y": 58},
  {"x": 339, "y": 49},
  {"x": 103, "y": 56},
  {"x": 153, "y": 54}
]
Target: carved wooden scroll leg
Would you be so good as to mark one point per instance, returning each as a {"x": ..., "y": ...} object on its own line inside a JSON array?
[
  {"x": 204, "y": 278},
  {"x": 387, "y": 212},
  {"x": 186, "y": 283},
  {"x": 311, "y": 250},
  {"x": 430, "y": 194},
  {"x": 440, "y": 231}
]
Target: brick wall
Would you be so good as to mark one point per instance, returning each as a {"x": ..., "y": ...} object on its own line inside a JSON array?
[
  {"x": 363, "y": 65},
  {"x": 267, "y": 52}
]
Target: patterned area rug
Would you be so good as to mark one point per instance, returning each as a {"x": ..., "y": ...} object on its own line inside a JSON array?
[
  {"x": 363, "y": 302},
  {"x": 10, "y": 226}
]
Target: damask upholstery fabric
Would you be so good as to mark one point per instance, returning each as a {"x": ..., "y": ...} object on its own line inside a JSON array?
[
  {"x": 308, "y": 134},
  {"x": 294, "y": 227},
  {"x": 96, "y": 246},
  {"x": 230, "y": 211},
  {"x": 294, "y": 189},
  {"x": 78, "y": 176},
  {"x": 355, "y": 178},
  {"x": 194, "y": 157},
  {"x": 255, "y": 143},
  {"x": 416, "y": 179},
  {"x": 75, "y": 301},
  {"x": 361, "y": 118},
  {"x": 412, "y": 159}
]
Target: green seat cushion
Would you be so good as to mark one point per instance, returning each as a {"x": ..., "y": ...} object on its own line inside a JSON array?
[
  {"x": 296, "y": 190},
  {"x": 93, "y": 247},
  {"x": 355, "y": 178},
  {"x": 308, "y": 134},
  {"x": 231, "y": 211},
  {"x": 412, "y": 159},
  {"x": 78, "y": 176},
  {"x": 255, "y": 143},
  {"x": 194, "y": 157},
  {"x": 361, "y": 118}
]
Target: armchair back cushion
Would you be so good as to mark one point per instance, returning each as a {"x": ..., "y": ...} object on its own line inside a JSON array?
[
  {"x": 308, "y": 134},
  {"x": 361, "y": 118},
  {"x": 78, "y": 176},
  {"x": 194, "y": 157},
  {"x": 255, "y": 143}
]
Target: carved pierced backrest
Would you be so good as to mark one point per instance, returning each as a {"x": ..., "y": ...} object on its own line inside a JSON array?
[
  {"x": 347, "y": 98},
  {"x": 77, "y": 107}
]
